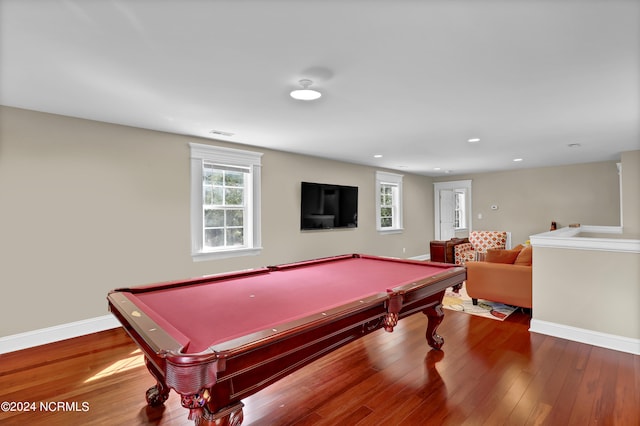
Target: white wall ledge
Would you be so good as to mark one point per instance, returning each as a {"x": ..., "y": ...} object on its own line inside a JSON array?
[{"x": 588, "y": 237}]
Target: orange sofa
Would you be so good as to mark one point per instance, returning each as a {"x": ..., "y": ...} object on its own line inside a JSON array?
[{"x": 504, "y": 277}]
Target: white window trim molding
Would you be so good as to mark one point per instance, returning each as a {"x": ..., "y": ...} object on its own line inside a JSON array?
[
  {"x": 394, "y": 179},
  {"x": 229, "y": 156}
]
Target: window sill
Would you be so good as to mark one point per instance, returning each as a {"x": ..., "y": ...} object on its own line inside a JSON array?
[
  {"x": 390, "y": 231},
  {"x": 225, "y": 254}
]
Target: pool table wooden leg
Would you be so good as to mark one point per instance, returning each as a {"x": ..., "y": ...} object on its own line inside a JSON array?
[
  {"x": 158, "y": 394},
  {"x": 228, "y": 416},
  {"x": 435, "y": 314}
]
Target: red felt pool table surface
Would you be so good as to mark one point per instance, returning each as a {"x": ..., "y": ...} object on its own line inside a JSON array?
[{"x": 202, "y": 314}]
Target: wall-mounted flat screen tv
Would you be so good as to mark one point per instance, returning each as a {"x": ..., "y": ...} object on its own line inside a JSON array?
[{"x": 325, "y": 206}]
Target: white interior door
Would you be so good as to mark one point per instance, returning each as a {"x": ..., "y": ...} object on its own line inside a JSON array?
[
  {"x": 447, "y": 214},
  {"x": 444, "y": 199}
]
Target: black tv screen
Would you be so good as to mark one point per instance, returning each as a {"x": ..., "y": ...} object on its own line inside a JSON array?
[{"x": 325, "y": 206}]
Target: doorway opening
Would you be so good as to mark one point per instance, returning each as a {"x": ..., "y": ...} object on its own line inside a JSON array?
[{"x": 452, "y": 204}]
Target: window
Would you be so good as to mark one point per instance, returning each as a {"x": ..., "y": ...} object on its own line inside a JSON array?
[
  {"x": 225, "y": 202},
  {"x": 388, "y": 202},
  {"x": 459, "y": 218}
]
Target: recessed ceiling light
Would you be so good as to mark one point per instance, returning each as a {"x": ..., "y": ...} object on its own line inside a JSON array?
[
  {"x": 473, "y": 140},
  {"x": 377, "y": 156},
  {"x": 517, "y": 160},
  {"x": 305, "y": 94}
]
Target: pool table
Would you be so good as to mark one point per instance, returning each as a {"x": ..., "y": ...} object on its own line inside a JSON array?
[{"x": 218, "y": 339}]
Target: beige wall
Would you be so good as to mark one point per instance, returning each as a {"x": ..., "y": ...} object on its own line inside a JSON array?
[
  {"x": 579, "y": 289},
  {"x": 283, "y": 173},
  {"x": 89, "y": 206},
  {"x": 588, "y": 289},
  {"x": 86, "y": 207},
  {"x": 631, "y": 193},
  {"x": 528, "y": 200}
]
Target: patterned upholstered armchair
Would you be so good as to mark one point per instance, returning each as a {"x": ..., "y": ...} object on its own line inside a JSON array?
[{"x": 479, "y": 242}]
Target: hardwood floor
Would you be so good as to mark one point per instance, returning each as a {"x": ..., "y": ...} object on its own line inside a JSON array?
[{"x": 488, "y": 373}]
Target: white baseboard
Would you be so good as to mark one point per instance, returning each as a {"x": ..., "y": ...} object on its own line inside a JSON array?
[
  {"x": 43, "y": 336},
  {"x": 421, "y": 257},
  {"x": 590, "y": 337},
  {"x": 56, "y": 333}
]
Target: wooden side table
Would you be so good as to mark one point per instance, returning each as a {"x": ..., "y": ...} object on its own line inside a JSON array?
[{"x": 442, "y": 251}]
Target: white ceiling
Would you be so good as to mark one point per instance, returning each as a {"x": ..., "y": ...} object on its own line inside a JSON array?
[{"x": 409, "y": 79}]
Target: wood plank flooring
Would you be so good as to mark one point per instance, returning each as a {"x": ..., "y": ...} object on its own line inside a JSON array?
[{"x": 488, "y": 373}]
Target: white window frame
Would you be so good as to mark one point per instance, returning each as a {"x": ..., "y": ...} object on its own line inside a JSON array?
[
  {"x": 395, "y": 181},
  {"x": 201, "y": 154}
]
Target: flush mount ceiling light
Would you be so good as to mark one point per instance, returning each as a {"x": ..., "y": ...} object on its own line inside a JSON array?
[
  {"x": 473, "y": 140},
  {"x": 305, "y": 94}
]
